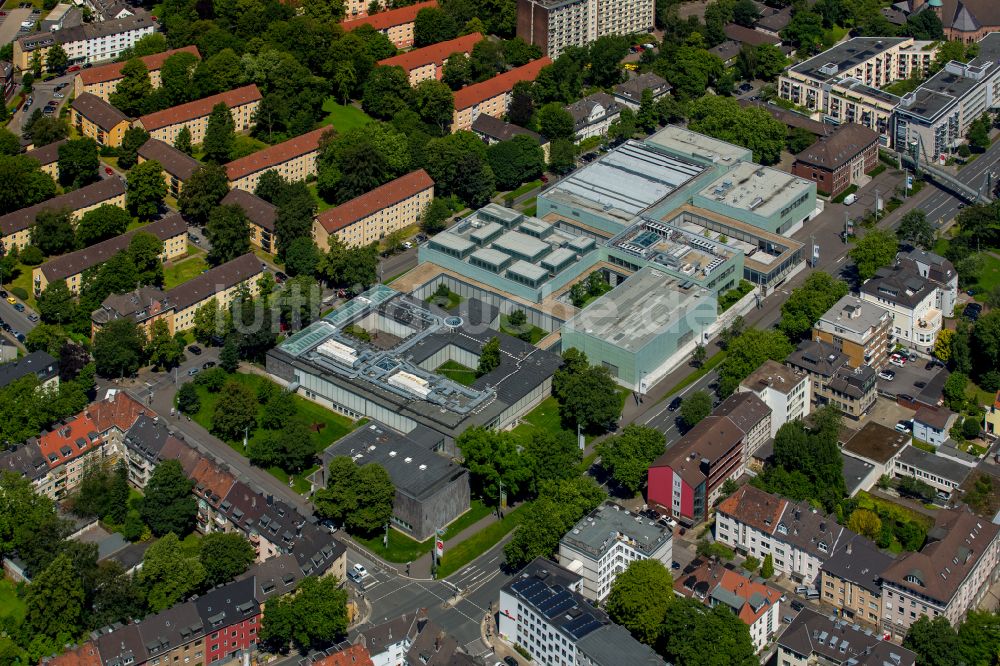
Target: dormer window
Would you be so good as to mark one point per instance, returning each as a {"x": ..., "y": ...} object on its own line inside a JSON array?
[
  {"x": 823, "y": 547},
  {"x": 782, "y": 528}
]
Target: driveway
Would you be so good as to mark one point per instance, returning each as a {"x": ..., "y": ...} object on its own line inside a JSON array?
[{"x": 888, "y": 412}]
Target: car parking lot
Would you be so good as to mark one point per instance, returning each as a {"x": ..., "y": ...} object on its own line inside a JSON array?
[
  {"x": 910, "y": 379},
  {"x": 10, "y": 25}
]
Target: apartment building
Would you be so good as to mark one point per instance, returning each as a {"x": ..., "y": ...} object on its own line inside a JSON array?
[
  {"x": 374, "y": 215},
  {"x": 834, "y": 381},
  {"x": 294, "y": 160},
  {"x": 593, "y": 115},
  {"x": 686, "y": 480},
  {"x": 428, "y": 62},
  {"x": 492, "y": 97},
  {"x": 943, "y": 474},
  {"x": 839, "y": 159},
  {"x": 843, "y": 84},
  {"x": 749, "y": 598},
  {"x": 262, "y": 216},
  {"x": 912, "y": 300},
  {"x": 165, "y": 125},
  {"x": 69, "y": 449},
  {"x": 933, "y": 119},
  {"x": 48, "y": 157},
  {"x": 102, "y": 81},
  {"x": 784, "y": 390},
  {"x": 178, "y": 167},
  {"x": 144, "y": 305},
  {"x": 949, "y": 576},
  {"x": 38, "y": 363},
  {"x": 554, "y": 638},
  {"x": 88, "y": 43},
  {"x": 95, "y": 118},
  {"x": 851, "y": 581},
  {"x": 231, "y": 617},
  {"x": 223, "y": 283},
  {"x": 170, "y": 230},
  {"x": 938, "y": 271},
  {"x": 745, "y": 411},
  {"x": 813, "y": 638},
  {"x": 859, "y": 330},
  {"x": 604, "y": 542},
  {"x": 630, "y": 92},
  {"x": 396, "y": 24},
  {"x": 797, "y": 537},
  {"x": 553, "y": 25},
  {"x": 15, "y": 228}
]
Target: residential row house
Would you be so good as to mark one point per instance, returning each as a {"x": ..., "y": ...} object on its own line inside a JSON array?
[
  {"x": 86, "y": 44},
  {"x": 102, "y": 81},
  {"x": 860, "y": 330},
  {"x": 492, "y": 96},
  {"x": 372, "y": 216},
  {"x": 47, "y": 157},
  {"x": 95, "y": 118},
  {"x": 166, "y": 125},
  {"x": 178, "y": 167},
  {"x": 851, "y": 581},
  {"x": 629, "y": 93},
  {"x": 834, "y": 382},
  {"x": 396, "y": 24},
  {"x": 813, "y": 638},
  {"x": 263, "y": 217},
  {"x": 170, "y": 230},
  {"x": 428, "y": 62},
  {"x": 410, "y": 639},
  {"x": 686, "y": 480},
  {"x": 294, "y": 160},
  {"x": 15, "y": 227}
]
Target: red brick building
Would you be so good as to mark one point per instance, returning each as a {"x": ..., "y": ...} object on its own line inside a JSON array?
[
  {"x": 231, "y": 617},
  {"x": 840, "y": 159}
]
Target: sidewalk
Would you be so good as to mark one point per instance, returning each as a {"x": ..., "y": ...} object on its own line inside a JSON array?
[{"x": 421, "y": 567}]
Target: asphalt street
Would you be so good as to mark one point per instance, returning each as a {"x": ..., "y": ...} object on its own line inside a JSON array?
[
  {"x": 941, "y": 206},
  {"x": 42, "y": 93}
]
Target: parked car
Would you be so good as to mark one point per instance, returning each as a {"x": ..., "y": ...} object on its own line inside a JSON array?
[
  {"x": 887, "y": 375},
  {"x": 60, "y": 86},
  {"x": 12, "y": 300},
  {"x": 73, "y": 68},
  {"x": 905, "y": 397},
  {"x": 20, "y": 336},
  {"x": 897, "y": 359},
  {"x": 360, "y": 570},
  {"x": 195, "y": 349},
  {"x": 109, "y": 171},
  {"x": 675, "y": 404},
  {"x": 207, "y": 364},
  {"x": 797, "y": 605},
  {"x": 510, "y": 661},
  {"x": 32, "y": 317},
  {"x": 904, "y": 426},
  {"x": 544, "y": 178},
  {"x": 58, "y": 95},
  {"x": 3, "y": 293},
  {"x": 745, "y": 88},
  {"x": 192, "y": 372},
  {"x": 280, "y": 277},
  {"x": 407, "y": 245},
  {"x": 972, "y": 311},
  {"x": 19, "y": 307}
]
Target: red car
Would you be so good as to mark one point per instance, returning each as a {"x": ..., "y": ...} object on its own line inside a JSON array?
[
  {"x": 74, "y": 68},
  {"x": 544, "y": 178},
  {"x": 109, "y": 171}
]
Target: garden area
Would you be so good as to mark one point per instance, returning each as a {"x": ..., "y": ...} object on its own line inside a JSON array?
[
  {"x": 732, "y": 297},
  {"x": 404, "y": 549},
  {"x": 457, "y": 372},
  {"x": 183, "y": 270},
  {"x": 898, "y": 528},
  {"x": 516, "y": 325},
  {"x": 343, "y": 118},
  {"x": 444, "y": 298}
]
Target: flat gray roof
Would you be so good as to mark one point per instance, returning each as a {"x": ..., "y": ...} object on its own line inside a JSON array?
[
  {"x": 521, "y": 244},
  {"x": 637, "y": 311},
  {"x": 625, "y": 181},
  {"x": 946, "y": 468},
  {"x": 529, "y": 271},
  {"x": 597, "y": 532},
  {"x": 853, "y": 314},
  {"x": 490, "y": 256},
  {"x": 845, "y": 56},
  {"x": 758, "y": 189},
  {"x": 452, "y": 242},
  {"x": 684, "y": 141}
]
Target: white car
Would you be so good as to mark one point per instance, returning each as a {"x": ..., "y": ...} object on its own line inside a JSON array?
[
  {"x": 360, "y": 570},
  {"x": 896, "y": 360},
  {"x": 887, "y": 375},
  {"x": 903, "y": 426}
]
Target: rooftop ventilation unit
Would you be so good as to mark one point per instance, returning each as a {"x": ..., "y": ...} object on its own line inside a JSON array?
[{"x": 410, "y": 382}]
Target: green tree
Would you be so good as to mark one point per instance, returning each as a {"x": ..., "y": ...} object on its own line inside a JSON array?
[
  {"x": 934, "y": 641},
  {"x": 562, "y": 156},
  {"x": 235, "y": 413},
  {"x": 9, "y": 143},
  {"x": 42, "y": 130},
  {"x": 188, "y": 400},
  {"x": 478, "y": 186},
  {"x": 954, "y": 390},
  {"x": 56, "y": 59},
  {"x": 177, "y": 79},
  {"x": 202, "y": 193},
  {"x": 296, "y": 210},
  {"x": 146, "y": 190},
  {"x": 914, "y": 228},
  {"x": 639, "y": 598},
  {"x": 54, "y": 602},
  {"x": 433, "y": 25},
  {"x": 515, "y": 161},
  {"x": 229, "y": 358},
  {"x": 375, "y": 494},
  {"x": 219, "y": 135},
  {"x": 435, "y": 216},
  {"x": 228, "y": 231},
  {"x": 551, "y": 456},
  {"x": 315, "y": 615},
  {"x": 865, "y": 522},
  {"x": 805, "y": 31},
  {"x": 339, "y": 499},
  {"x": 78, "y": 162},
  {"x": 493, "y": 458},
  {"x": 164, "y": 350},
  {"x": 56, "y": 305},
  {"x": 133, "y": 89},
  {"x": 168, "y": 574},
  {"x": 224, "y": 556},
  {"x": 435, "y": 104},
  {"x": 489, "y": 357},
  {"x": 767, "y": 568},
  {"x": 25, "y": 184},
  {"x": 874, "y": 250},
  {"x": 751, "y": 127},
  {"x": 746, "y": 352},
  {"x": 182, "y": 141},
  {"x": 167, "y": 506},
  {"x": 144, "y": 251},
  {"x": 457, "y": 71},
  {"x": 606, "y": 54},
  {"x": 52, "y": 232},
  {"x": 119, "y": 348},
  {"x": 386, "y": 92},
  {"x": 696, "y": 407},
  {"x": 132, "y": 141},
  {"x": 101, "y": 223},
  {"x": 628, "y": 455},
  {"x": 555, "y": 122},
  {"x": 688, "y": 626},
  {"x": 806, "y": 304}
]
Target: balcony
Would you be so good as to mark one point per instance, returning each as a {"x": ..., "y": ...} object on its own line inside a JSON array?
[{"x": 931, "y": 321}]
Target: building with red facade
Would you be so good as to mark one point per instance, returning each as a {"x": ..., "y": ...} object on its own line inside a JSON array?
[
  {"x": 231, "y": 616},
  {"x": 840, "y": 159}
]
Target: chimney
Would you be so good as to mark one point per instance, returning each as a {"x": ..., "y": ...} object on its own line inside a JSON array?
[{"x": 850, "y": 547}]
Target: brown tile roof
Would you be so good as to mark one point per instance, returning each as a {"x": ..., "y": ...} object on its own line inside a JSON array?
[
  {"x": 99, "y": 112},
  {"x": 501, "y": 130},
  {"x": 754, "y": 507},
  {"x": 214, "y": 280},
  {"x": 89, "y": 195},
  {"x": 501, "y": 83},
  {"x": 838, "y": 148},
  {"x": 272, "y": 156},
  {"x": 119, "y": 411},
  {"x": 355, "y": 655},
  {"x": 68, "y": 440},
  {"x": 954, "y": 545},
  {"x": 63, "y": 266},
  {"x": 85, "y": 655},
  {"x": 738, "y": 33},
  {"x": 703, "y": 577},
  {"x": 711, "y": 439},
  {"x": 361, "y": 207},
  {"x": 182, "y": 452},
  {"x": 211, "y": 482},
  {"x": 173, "y": 161},
  {"x": 260, "y": 212},
  {"x": 436, "y": 53},
  {"x": 47, "y": 154},
  {"x": 199, "y": 108},
  {"x": 746, "y": 410},
  {"x": 877, "y": 443},
  {"x": 936, "y": 418},
  {"x": 388, "y": 19},
  {"x": 113, "y": 70}
]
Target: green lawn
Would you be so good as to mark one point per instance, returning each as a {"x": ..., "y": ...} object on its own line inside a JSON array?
[
  {"x": 330, "y": 426},
  {"x": 321, "y": 204},
  {"x": 536, "y": 332},
  {"x": 183, "y": 270},
  {"x": 457, "y": 556},
  {"x": 457, "y": 372},
  {"x": 344, "y": 118},
  {"x": 526, "y": 187},
  {"x": 546, "y": 417},
  {"x": 452, "y": 301},
  {"x": 989, "y": 275},
  {"x": 10, "y": 604},
  {"x": 246, "y": 145},
  {"x": 403, "y": 549},
  {"x": 23, "y": 280}
]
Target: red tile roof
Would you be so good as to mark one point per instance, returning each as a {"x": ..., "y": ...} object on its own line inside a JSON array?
[
  {"x": 211, "y": 482},
  {"x": 85, "y": 655},
  {"x": 272, "y": 156},
  {"x": 436, "y": 53},
  {"x": 356, "y": 655},
  {"x": 113, "y": 70},
  {"x": 118, "y": 411},
  {"x": 754, "y": 507},
  {"x": 707, "y": 576},
  {"x": 361, "y": 207},
  {"x": 182, "y": 452},
  {"x": 388, "y": 19},
  {"x": 501, "y": 83},
  {"x": 199, "y": 108},
  {"x": 74, "y": 437}
]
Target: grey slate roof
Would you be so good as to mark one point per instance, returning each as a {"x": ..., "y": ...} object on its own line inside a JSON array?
[
  {"x": 900, "y": 285},
  {"x": 26, "y": 460},
  {"x": 97, "y": 111},
  {"x": 859, "y": 562},
  {"x": 581, "y": 109},
  {"x": 176, "y": 163},
  {"x": 257, "y": 210},
  {"x": 838, "y": 148},
  {"x": 946, "y": 468},
  {"x": 500, "y": 130},
  {"x": 147, "y": 437},
  {"x": 48, "y": 153},
  {"x": 613, "y": 645},
  {"x": 811, "y": 633},
  {"x": 632, "y": 89},
  {"x": 214, "y": 280},
  {"x": 38, "y": 363},
  {"x": 274, "y": 577},
  {"x": 227, "y": 605}
]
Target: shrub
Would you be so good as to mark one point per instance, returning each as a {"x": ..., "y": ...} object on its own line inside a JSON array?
[
  {"x": 31, "y": 256},
  {"x": 20, "y": 292},
  {"x": 213, "y": 379}
]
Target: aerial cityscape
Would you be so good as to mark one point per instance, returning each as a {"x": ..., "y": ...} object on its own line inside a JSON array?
[{"x": 500, "y": 332}]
